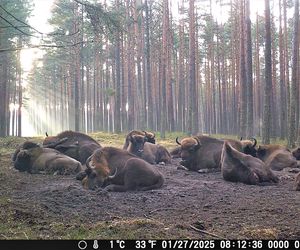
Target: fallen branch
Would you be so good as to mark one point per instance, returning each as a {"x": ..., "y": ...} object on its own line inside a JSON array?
[{"x": 205, "y": 232}]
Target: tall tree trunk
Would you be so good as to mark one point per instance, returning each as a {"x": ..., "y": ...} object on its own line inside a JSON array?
[
  {"x": 268, "y": 78},
  {"x": 249, "y": 72},
  {"x": 243, "y": 75},
  {"x": 193, "y": 116},
  {"x": 292, "y": 136}
]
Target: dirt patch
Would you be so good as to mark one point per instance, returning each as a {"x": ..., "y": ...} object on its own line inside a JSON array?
[{"x": 49, "y": 206}]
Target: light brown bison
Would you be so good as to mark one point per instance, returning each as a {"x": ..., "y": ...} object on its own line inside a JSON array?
[
  {"x": 239, "y": 167},
  {"x": 297, "y": 182},
  {"x": 277, "y": 157},
  {"x": 130, "y": 172},
  {"x": 149, "y": 135},
  {"x": 203, "y": 152},
  {"x": 74, "y": 144},
  {"x": 34, "y": 159},
  {"x": 152, "y": 153}
]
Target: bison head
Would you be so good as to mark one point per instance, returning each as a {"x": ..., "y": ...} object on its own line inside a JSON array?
[
  {"x": 22, "y": 158},
  {"x": 150, "y": 136},
  {"x": 296, "y": 153},
  {"x": 137, "y": 142},
  {"x": 23, "y": 161},
  {"x": 97, "y": 171},
  {"x": 249, "y": 147},
  {"x": 189, "y": 147}
]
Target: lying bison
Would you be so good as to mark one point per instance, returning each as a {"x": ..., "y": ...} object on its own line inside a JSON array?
[
  {"x": 296, "y": 153},
  {"x": 149, "y": 135},
  {"x": 152, "y": 153},
  {"x": 297, "y": 182},
  {"x": 203, "y": 153},
  {"x": 74, "y": 144},
  {"x": 130, "y": 172},
  {"x": 277, "y": 157},
  {"x": 239, "y": 167},
  {"x": 34, "y": 159}
]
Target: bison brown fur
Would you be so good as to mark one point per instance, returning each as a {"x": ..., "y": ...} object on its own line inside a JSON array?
[
  {"x": 130, "y": 172},
  {"x": 277, "y": 157},
  {"x": 239, "y": 167},
  {"x": 297, "y": 182},
  {"x": 296, "y": 153},
  {"x": 149, "y": 135},
  {"x": 33, "y": 158},
  {"x": 203, "y": 152},
  {"x": 74, "y": 144},
  {"x": 152, "y": 153}
]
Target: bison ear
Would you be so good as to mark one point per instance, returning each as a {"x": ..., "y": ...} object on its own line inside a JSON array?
[{"x": 145, "y": 139}]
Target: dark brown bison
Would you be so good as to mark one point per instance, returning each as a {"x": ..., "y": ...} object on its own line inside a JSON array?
[
  {"x": 74, "y": 144},
  {"x": 296, "y": 153},
  {"x": 277, "y": 157},
  {"x": 297, "y": 182},
  {"x": 34, "y": 159},
  {"x": 149, "y": 135},
  {"x": 203, "y": 153},
  {"x": 240, "y": 167},
  {"x": 129, "y": 172},
  {"x": 152, "y": 153}
]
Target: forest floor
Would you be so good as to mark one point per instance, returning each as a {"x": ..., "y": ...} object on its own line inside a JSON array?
[{"x": 190, "y": 205}]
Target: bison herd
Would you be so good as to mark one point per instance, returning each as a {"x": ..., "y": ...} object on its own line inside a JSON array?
[{"x": 133, "y": 167}]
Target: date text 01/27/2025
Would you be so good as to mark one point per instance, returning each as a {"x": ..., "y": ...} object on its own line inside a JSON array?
[{"x": 204, "y": 244}]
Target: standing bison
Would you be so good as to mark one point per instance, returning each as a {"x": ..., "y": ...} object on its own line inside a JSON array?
[
  {"x": 129, "y": 172},
  {"x": 34, "y": 159},
  {"x": 203, "y": 153},
  {"x": 74, "y": 144},
  {"x": 239, "y": 167},
  {"x": 276, "y": 157},
  {"x": 152, "y": 153},
  {"x": 149, "y": 135}
]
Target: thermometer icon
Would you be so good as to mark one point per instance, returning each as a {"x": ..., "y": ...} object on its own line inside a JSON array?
[{"x": 95, "y": 245}]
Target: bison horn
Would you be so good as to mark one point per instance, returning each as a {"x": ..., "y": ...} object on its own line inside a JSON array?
[
  {"x": 178, "y": 141},
  {"x": 46, "y": 134},
  {"x": 255, "y": 141},
  {"x": 110, "y": 177},
  {"x": 241, "y": 138},
  {"x": 87, "y": 163},
  {"x": 198, "y": 142}
]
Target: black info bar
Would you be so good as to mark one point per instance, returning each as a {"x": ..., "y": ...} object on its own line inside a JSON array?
[{"x": 146, "y": 244}]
